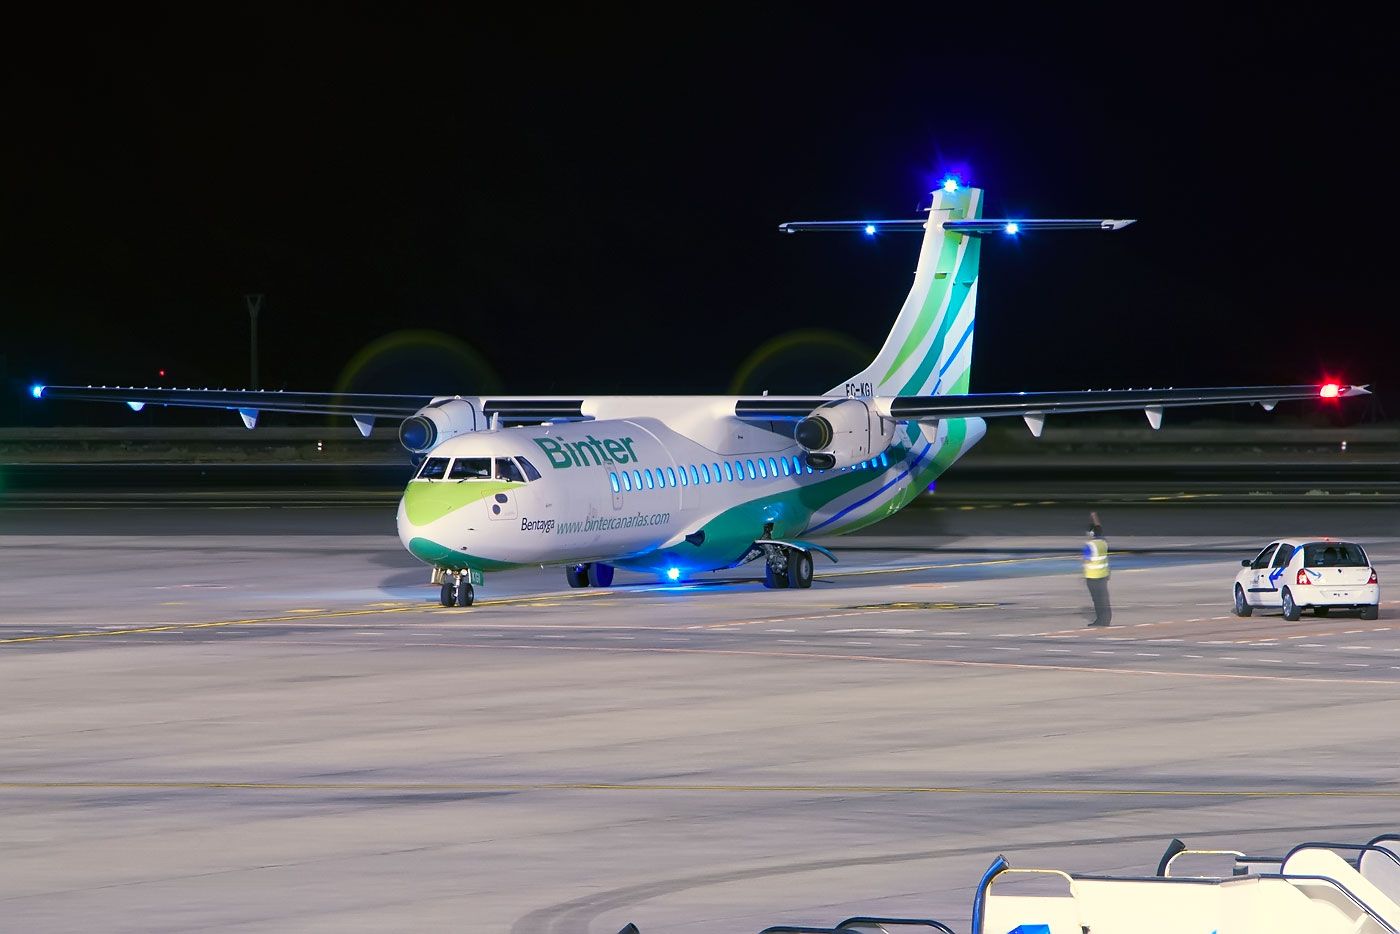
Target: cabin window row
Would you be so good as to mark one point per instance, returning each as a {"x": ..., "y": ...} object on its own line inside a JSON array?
[{"x": 651, "y": 478}]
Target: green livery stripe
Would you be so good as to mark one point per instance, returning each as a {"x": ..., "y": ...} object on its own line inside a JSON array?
[
  {"x": 962, "y": 285},
  {"x": 948, "y": 451},
  {"x": 438, "y": 555},
  {"x": 429, "y": 501},
  {"x": 928, "y": 312}
]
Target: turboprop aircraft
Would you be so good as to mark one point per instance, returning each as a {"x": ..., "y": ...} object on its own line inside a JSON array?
[{"x": 676, "y": 485}]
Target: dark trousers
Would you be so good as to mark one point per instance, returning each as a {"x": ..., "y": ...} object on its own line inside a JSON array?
[{"x": 1098, "y": 590}]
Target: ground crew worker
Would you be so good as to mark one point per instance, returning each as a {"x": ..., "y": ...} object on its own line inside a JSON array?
[{"x": 1096, "y": 571}]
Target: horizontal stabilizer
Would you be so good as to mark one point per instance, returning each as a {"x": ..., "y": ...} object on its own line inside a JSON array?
[{"x": 976, "y": 228}]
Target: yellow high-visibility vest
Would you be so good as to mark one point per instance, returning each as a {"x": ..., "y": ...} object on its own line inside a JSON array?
[{"x": 1096, "y": 558}]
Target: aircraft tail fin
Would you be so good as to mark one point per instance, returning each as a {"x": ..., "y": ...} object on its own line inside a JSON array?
[{"x": 929, "y": 349}]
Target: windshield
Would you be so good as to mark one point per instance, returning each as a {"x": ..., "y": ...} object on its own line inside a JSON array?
[
  {"x": 1334, "y": 555},
  {"x": 434, "y": 468},
  {"x": 470, "y": 468},
  {"x": 506, "y": 470}
]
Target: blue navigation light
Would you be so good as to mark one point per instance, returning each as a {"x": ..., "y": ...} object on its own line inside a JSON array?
[
  {"x": 870, "y": 230},
  {"x": 1013, "y": 228},
  {"x": 673, "y": 574},
  {"x": 37, "y": 391},
  {"x": 950, "y": 184}
]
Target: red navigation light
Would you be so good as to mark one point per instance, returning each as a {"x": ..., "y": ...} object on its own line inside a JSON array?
[
  {"x": 162, "y": 373},
  {"x": 1330, "y": 391}
]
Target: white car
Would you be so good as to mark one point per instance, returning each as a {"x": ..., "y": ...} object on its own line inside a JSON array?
[{"x": 1321, "y": 574}]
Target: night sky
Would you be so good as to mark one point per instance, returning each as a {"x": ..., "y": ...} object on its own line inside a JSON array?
[{"x": 589, "y": 204}]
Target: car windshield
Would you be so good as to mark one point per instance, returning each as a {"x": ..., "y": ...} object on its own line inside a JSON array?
[
  {"x": 1334, "y": 555},
  {"x": 471, "y": 468},
  {"x": 434, "y": 468}
]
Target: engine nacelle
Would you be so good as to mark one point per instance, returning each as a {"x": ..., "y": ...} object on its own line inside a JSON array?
[
  {"x": 842, "y": 434},
  {"x": 435, "y": 423}
]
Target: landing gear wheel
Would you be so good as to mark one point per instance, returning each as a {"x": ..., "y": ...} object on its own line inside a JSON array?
[
  {"x": 447, "y": 597},
  {"x": 1242, "y": 607},
  {"x": 1291, "y": 612},
  {"x": 577, "y": 575},
  {"x": 599, "y": 575},
  {"x": 1371, "y": 612},
  {"x": 799, "y": 569},
  {"x": 466, "y": 594},
  {"x": 1323, "y": 611},
  {"x": 773, "y": 580}
]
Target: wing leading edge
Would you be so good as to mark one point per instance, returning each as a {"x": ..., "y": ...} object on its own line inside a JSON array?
[{"x": 1031, "y": 405}]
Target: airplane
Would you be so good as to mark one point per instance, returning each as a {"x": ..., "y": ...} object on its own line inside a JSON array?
[{"x": 678, "y": 485}]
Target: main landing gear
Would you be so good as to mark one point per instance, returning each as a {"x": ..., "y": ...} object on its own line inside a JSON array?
[
  {"x": 589, "y": 575},
  {"x": 456, "y": 590},
  {"x": 786, "y": 567}
]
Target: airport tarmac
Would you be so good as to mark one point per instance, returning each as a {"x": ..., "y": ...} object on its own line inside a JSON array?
[{"x": 259, "y": 720}]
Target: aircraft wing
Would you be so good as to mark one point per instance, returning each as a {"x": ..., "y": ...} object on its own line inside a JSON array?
[
  {"x": 367, "y": 405},
  {"x": 1037, "y": 405},
  {"x": 363, "y": 407}
]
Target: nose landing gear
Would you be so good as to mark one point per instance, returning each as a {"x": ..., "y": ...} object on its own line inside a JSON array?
[{"x": 456, "y": 591}]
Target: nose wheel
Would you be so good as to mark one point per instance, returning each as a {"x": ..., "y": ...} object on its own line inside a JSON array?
[{"x": 456, "y": 591}]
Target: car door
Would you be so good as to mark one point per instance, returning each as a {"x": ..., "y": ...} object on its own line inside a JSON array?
[
  {"x": 1259, "y": 575},
  {"x": 1277, "y": 576}
]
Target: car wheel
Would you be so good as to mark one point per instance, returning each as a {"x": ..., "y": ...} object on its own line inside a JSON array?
[
  {"x": 1321, "y": 610},
  {"x": 1371, "y": 612},
  {"x": 1290, "y": 609},
  {"x": 1242, "y": 607}
]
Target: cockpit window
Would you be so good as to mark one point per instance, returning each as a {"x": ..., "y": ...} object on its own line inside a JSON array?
[
  {"x": 470, "y": 468},
  {"x": 434, "y": 468},
  {"x": 529, "y": 469},
  {"x": 506, "y": 469}
]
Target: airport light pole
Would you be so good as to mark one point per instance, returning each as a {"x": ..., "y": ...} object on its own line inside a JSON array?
[{"x": 254, "y": 302}]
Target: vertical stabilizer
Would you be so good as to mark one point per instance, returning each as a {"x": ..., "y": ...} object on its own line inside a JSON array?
[{"x": 929, "y": 350}]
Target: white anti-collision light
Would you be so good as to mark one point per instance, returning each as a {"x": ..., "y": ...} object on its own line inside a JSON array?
[
  {"x": 870, "y": 230},
  {"x": 1012, "y": 228},
  {"x": 950, "y": 185},
  {"x": 37, "y": 391}
]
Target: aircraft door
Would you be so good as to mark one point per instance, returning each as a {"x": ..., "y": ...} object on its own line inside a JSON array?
[{"x": 617, "y": 477}]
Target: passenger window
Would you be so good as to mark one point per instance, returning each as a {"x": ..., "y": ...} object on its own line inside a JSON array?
[
  {"x": 1283, "y": 556},
  {"x": 671, "y": 475},
  {"x": 717, "y": 476},
  {"x": 752, "y": 475},
  {"x": 685, "y": 481},
  {"x": 694, "y": 476},
  {"x": 660, "y": 478},
  {"x": 1262, "y": 561},
  {"x": 796, "y": 464},
  {"x": 705, "y": 472},
  {"x": 613, "y": 477},
  {"x": 637, "y": 477},
  {"x": 787, "y": 469},
  {"x": 646, "y": 472},
  {"x": 762, "y": 469},
  {"x": 627, "y": 481},
  {"x": 885, "y": 459},
  {"x": 506, "y": 469},
  {"x": 728, "y": 471},
  {"x": 434, "y": 468},
  {"x": 529, "y": 468},
  {"x": 470, "y": 468}
]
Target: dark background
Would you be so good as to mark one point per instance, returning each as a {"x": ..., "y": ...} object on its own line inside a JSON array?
[{"x": 589, "y": 203}]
